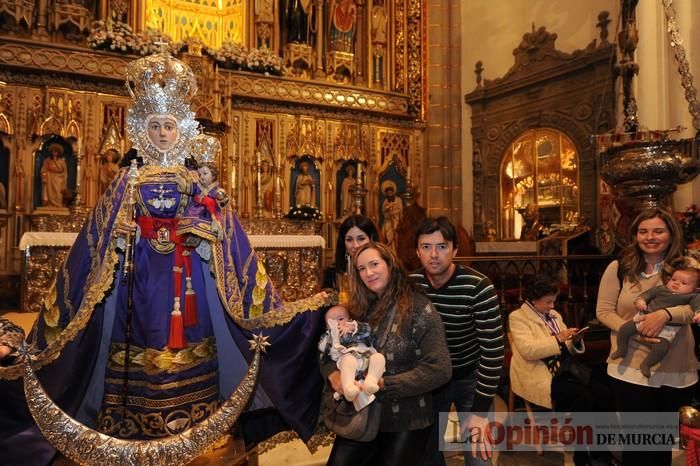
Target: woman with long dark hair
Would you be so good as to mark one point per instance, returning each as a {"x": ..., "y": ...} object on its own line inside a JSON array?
[{"x": 355, "y": 231}]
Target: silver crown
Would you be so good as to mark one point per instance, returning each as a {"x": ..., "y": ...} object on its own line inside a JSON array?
[
  {"x": 172, "y": 76},
  {"x": 161, "y": 85}
]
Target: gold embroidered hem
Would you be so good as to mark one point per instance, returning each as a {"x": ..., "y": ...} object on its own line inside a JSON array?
[
  {"x": 123, "y": 423},
  {"x": 163, "y": 386},
  {"x": 169, "y": 403}
]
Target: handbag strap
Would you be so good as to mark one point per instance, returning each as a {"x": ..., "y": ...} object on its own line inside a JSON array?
[{"x": 385, "y": 335}]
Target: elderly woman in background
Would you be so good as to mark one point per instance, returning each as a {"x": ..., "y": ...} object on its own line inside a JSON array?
[
  {"x": 655, "y": 238},
  {"x": 417, "y": 361},
  {"x": 540, "y": 342}
]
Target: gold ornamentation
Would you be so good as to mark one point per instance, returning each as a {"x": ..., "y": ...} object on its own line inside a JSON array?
[
  {"x": 328, "y": 95},
  {"x": 126, "y": 423},
  {"x": 414, "y": 60},
  {"x": 86, "y": 446},
  {"x": 150, "y": 403},
  {"x": 299, "y": 58},
  {"x": 50, "y": 60},
  {"x": 164, "y": 386},
  {"x": 203, "y": 148},
  {"x": 171, "y": 361}
]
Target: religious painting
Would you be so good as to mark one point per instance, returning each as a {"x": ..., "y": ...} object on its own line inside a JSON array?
[
  {"x": 305, "y": 183},
  {"x": 343, "y": 16},
  {"x": 345, "y": 178},
  {"x": 4, "y": 176},
  {"x": 391, "y": 186},
  {"x": 55, "y": 169}
]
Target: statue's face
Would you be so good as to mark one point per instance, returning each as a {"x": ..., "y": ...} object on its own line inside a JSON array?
[
  {"x": 162, "y": 131},
  {"x": 205, "y": 175}
]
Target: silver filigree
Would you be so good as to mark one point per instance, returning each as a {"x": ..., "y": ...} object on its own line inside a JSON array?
[
  {"x": 86, "y": 446},
  {"x": 161, "y": 85},
  {"x": 203, "y": 148},
  {"x": 691, "y": 95}
]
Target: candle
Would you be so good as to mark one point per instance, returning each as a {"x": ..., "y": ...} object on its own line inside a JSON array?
[{"x": 359, "y": 171}]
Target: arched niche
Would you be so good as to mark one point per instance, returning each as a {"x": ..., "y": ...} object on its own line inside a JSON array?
[{"x": 545, "y": 89}]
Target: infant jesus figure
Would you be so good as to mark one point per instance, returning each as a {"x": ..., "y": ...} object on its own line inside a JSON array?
[{"x": 350, "y": 344}]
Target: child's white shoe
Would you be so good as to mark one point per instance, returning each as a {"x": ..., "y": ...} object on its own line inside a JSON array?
[
  {"x": 371, "y": 385},
  {"x": 351, "y": 392}
]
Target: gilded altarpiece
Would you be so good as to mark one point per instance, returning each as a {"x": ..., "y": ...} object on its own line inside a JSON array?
[{"x": 351, "y": 132}]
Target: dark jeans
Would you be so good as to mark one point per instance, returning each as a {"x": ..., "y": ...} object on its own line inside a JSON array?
[
  {"x": 570, "y": 395},
  {"x": 388, "y": 449},
  {"x": 461, "y": 392},
  {"x": 640, "y": 398}
]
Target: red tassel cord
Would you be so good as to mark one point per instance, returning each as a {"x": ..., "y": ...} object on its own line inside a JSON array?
[
  {"x": 190, "y": 317},
  {"x": 176, "y": 339}
]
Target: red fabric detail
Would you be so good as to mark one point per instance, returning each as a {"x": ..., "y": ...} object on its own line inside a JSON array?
[
  {"x": 177, "y": 271},
  {"x": 190, "y": 316},
  {"x": 209, "y": 203},
  {"x": 176, "y": 339},
  {"x": 692, "y": 435},
  {"x": 150, "y": 226},
  {"x": 149, "y": 229}
]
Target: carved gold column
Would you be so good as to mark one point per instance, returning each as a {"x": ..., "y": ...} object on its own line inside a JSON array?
[
  {"x": 361, "y": 39},
  {"x": 137, "y": 15},
  {"x": 234, "y": 174},
  {"x": 258, "y": 186},
  {"x": 42, "y": 19},
  {"x": 320, "y": 38}
]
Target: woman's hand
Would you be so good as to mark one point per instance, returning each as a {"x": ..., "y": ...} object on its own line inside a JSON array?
[
  {"x": 650, "y": 325},
  {"x": 566, "y": 334}
]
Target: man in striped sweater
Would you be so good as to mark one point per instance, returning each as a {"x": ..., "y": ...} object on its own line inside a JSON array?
[{"x": 467, "y": 302}]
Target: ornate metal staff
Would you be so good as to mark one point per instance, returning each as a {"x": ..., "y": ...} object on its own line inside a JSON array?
[{"x": 128, "y": 272}]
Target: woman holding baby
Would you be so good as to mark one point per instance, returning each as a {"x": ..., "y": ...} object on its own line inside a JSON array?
[
  {"x": 655, "y": 239},
  {"x": 417, "y": 360}
]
